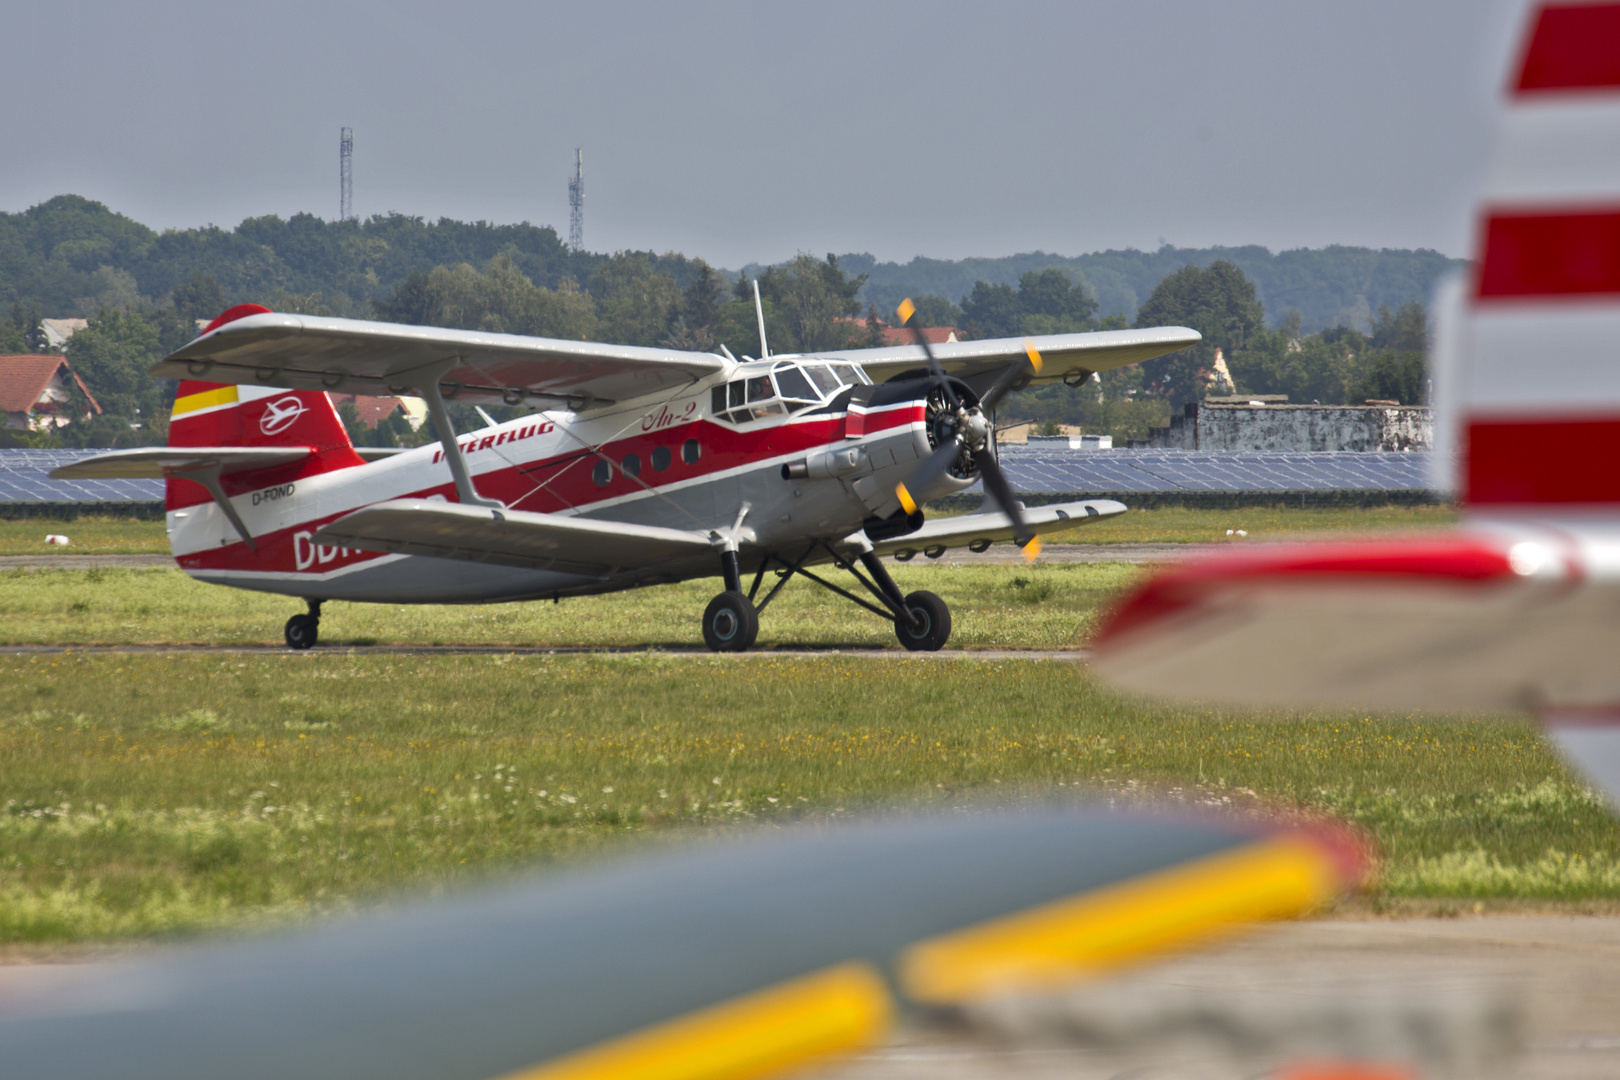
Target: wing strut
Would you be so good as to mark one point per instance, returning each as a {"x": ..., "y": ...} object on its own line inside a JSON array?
[{"x": 427, "y": 384}]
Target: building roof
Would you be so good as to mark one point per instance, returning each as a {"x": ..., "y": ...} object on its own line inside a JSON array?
[
  {"x": 900, "y": 335},
  {"x": 58, "y": 331},
  {"x": 371, "y": 411}
]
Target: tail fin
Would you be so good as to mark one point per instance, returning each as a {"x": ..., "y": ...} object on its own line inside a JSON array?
[{"x": 220, "y": 414}]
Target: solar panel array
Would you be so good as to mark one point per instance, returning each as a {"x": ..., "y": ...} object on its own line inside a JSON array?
[
  {"x": 23, "y": 473},
  {"x": 1043, "y": 471},
  {"x": 23, "y": 479}
]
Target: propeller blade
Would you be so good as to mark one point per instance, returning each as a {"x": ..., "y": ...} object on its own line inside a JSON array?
[
  {"x": 727, "y": 961},
  {"x": 1010, "y": 376},
  {"x": 908, "y": 313},
  {"x": 930, "y": 470},
  {"x": 995, "y": 482}
]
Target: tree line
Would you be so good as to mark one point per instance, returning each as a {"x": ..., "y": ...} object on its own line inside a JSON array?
[{"x": 521, "y": 279}]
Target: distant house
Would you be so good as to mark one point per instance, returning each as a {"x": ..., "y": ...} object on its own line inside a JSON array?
[
  {"x": 372, "y": 411},
  {"x": 900, "y": 335},
  {"x": 34, "y": 390},
  {"x": 58, "y": 331}
]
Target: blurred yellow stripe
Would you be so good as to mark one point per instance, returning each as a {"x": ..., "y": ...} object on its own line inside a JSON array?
[
  {"x": 841, "y": 1008},
  {"x": 1113, "y": 926},
  {"x": 223, "y": 395}
]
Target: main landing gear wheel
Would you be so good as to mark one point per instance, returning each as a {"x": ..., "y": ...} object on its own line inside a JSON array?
[
  {"x": 932, "y": 628},
  {"x": 302, "y": 630},
  {"x": 730, "y": 623}
]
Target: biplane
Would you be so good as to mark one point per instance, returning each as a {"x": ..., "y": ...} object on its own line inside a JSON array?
[{"x": 629, "y": 467}]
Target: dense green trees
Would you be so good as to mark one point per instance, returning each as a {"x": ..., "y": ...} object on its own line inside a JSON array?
[{"x": 1046, "y": 302}]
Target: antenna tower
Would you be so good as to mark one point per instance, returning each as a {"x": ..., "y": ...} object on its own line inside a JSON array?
[
  {"x": 576, "y": 204},
  {"x": 346, "y": 174}
]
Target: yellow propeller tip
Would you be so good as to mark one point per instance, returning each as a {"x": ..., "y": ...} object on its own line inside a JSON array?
[
  {"x": 1034, "y": 356},
  {"x": 906, "y": 310},
  {"x": 1032, "y": 549},
  {"x": 906, "y": 500}
]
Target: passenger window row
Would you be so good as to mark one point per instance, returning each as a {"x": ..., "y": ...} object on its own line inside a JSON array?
[{"x": 662, "y": 458}]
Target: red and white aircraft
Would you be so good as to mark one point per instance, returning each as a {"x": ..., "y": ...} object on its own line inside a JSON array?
[
  {"x": 1519, "y": 609},
  {"x": 640, "y": 466}
]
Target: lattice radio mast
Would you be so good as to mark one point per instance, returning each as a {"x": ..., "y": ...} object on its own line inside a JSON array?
[
  {"x": 346, "y": 174},
  {"x": 576, "y": 204}
]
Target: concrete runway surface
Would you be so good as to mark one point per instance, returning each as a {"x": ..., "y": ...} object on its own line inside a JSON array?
[{"x": 1493, "y": 997}]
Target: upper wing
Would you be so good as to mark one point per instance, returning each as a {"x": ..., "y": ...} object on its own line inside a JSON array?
[
  {"x": 158, "y": 462},
  {"x": 508, "y": 537},
  {"x": 740, "y": 959},
  {"x": 1064, "y": 356},
  {"x": 307, "y": 352},
  {"x": 993, "y": 527}
]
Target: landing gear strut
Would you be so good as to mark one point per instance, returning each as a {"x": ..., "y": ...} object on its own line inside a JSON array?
[
  {"x": 922, "y": 621},
  {"x": 730, "y": 623},
  {"x": 303, "y": 630}
]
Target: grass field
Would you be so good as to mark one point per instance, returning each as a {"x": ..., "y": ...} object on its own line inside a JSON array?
[
  {"x": 156, "y": 793},
  {"x": 150, "y": 794},
  {"x": 1045, "y": 606},
  {"x": 86, "y": 536},
  {"x": 1171, "y": 525}
]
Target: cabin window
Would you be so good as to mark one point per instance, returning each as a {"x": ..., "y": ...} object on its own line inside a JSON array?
[
  {"x": 631, "y": 465},
  {"x": 602, "y": 473},
  {"x": 795, "y": 384},
  {"x": 661, "y": 458},
  {"x": 691, "y": 451}
]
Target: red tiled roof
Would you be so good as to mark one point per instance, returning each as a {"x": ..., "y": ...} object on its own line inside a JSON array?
[
  {"x": 899, "y": 335},
  {"x": 370, "y": 410},
  {"x": 24, "y": 378}
]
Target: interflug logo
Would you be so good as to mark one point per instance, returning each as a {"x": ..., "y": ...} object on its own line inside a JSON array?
[{"x": 280, "y": 415}]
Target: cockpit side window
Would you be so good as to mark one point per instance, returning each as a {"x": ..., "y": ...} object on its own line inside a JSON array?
[
  {"x": 795, "y": 385},
  {"x": 824, "y": 379}
]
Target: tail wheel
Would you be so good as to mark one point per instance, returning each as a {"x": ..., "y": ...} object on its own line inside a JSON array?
[
  {"x": 730, "y": 623},
  {"x": 932, "y": 628},
  {"x": 302, "y": 630}
]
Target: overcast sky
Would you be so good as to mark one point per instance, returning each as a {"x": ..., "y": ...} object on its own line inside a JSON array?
[{"x": 746, "y": 132}]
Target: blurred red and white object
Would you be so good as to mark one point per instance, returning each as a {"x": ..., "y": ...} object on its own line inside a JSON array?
[
  {"x": 1519, "y": 608},
  {"x": 56, "y": 540}
]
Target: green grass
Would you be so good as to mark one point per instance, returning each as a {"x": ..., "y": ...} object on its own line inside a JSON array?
[
  {"x": 86, "y": 535},
  {"x": 144, "y": 795},
  {"x": 1170, "y": 525},
  {"x": 1188, "y": 525},
  {"x": 1051, "y": 605}
]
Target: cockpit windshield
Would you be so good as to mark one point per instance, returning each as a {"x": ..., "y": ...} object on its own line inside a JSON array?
[{"x": 784, "y": 388}]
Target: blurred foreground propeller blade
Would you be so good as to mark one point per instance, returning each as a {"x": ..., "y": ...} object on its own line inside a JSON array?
[{"x": 734, "y": 959}]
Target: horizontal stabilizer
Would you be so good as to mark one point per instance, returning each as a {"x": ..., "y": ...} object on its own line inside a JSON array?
[
  {"x": 508, "y": 537},
  {"x": 161, "y": 462},
  {"x": 993, "y": 527}
]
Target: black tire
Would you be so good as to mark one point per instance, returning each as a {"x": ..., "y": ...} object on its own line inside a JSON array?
[
  {"x": 730, "y": 623},
  {"x": 933, "y": 628},
  {"x": 302, "y": 630}
]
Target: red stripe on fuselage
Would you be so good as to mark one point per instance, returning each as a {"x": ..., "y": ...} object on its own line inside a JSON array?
[
  {"x": 1543, "y": 460},
  {"x": 1573, "y": 47},
  {"x": 571, "y": 486},
  {"x": 1555, "y": 253}
]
